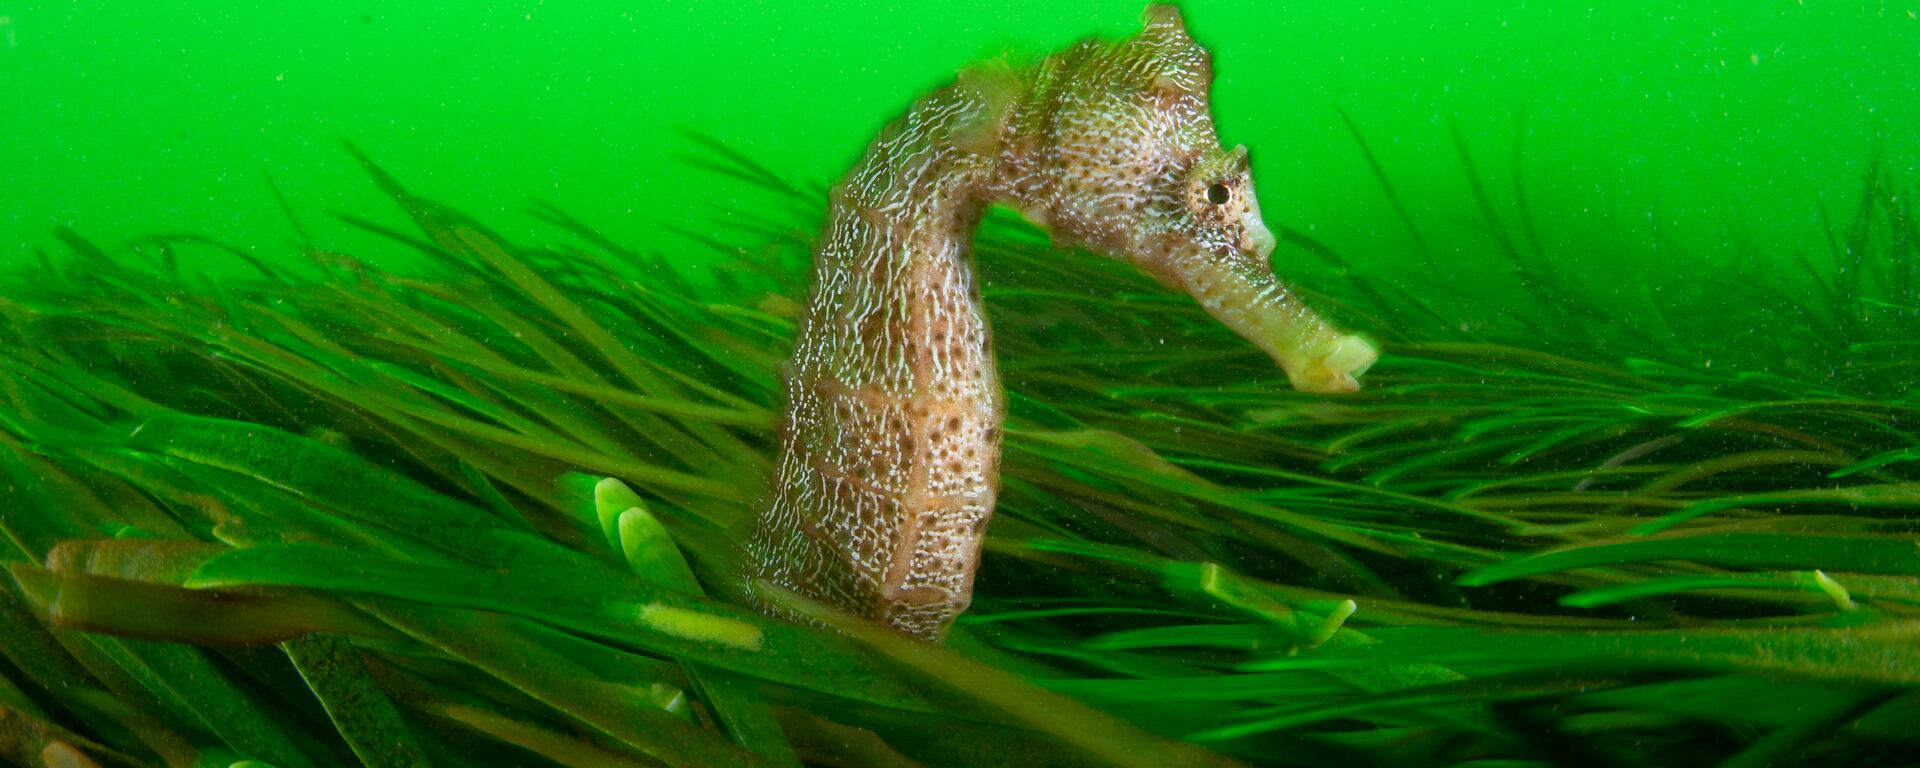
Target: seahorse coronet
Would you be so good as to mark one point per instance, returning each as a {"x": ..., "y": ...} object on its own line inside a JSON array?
[{"x": 890, "y": 457}]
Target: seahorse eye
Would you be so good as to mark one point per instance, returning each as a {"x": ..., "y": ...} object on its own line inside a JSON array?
[{"x": 1217, "y": 194}]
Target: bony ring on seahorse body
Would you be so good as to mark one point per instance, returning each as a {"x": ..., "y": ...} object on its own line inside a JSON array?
[{"x": 890, "y": 458}]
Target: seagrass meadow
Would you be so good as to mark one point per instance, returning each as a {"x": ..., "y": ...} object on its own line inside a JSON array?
[{"x": 360, "y": 404}]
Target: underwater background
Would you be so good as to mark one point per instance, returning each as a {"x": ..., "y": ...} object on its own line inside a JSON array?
[
  {"x": 387, "y": 383},
  {"x": 128, "y": 118}
]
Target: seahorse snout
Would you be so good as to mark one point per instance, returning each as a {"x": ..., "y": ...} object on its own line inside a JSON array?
[
  {"x": 1244, "y": 295},
  {"x": 1333, "y": 366}
]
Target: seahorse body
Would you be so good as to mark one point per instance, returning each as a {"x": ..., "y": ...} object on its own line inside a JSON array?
[{"x": 890, "y": 457}]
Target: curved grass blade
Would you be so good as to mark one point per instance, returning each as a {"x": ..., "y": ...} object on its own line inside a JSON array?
[
  {"x": 623, "y": 610},
  {"x": 1097, "y": 733},
  {"x": 1877, "y": 654},
  {"x": 1855, "y": 554},
  {"x": 1881, "y": 495},
  {"x": 621, "y": 712},
  {"x": 1876, "y": 461},
  {"x": 651, "y": 552},
  {"x": 359, "y": 709},
  {"x": 1815, "y": 582},
  {"x": 142, "y": 610},
  {"x": 552, "y": 745}
]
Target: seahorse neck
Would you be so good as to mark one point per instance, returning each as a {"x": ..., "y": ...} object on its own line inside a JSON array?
[
  {"x": 899, "y": 233},
  {"x": 927, "y": 177}
]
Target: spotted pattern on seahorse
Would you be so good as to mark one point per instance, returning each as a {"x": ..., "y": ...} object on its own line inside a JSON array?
[{"x": 890, "y": 456}]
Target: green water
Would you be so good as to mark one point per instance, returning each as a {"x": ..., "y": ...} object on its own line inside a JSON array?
[
  {"x": 129, "y": 118},
  {"x": 1636, "y": 480}
]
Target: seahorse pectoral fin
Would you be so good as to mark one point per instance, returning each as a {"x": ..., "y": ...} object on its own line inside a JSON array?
[{"x": 1244, "y": 295}]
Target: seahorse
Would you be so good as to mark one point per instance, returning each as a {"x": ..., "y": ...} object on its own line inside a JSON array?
[{"x": 890, "y": 454}]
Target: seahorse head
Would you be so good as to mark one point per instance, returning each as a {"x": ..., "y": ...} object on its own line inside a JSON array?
[{"x": 1113, "y": 149}]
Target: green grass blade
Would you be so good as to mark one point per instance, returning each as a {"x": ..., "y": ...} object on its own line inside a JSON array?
[
  {"x": 360, "y": 710},
  {"x": 1860, "y": 554}
]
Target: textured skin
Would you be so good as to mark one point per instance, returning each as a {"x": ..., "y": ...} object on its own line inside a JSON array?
[{"x": 891, "y": 453}]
